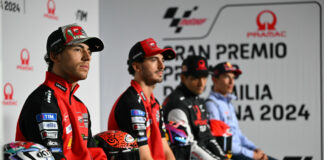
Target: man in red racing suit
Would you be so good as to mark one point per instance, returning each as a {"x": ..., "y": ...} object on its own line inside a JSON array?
[
  {"x": 136, "y": 111},
  {"x": 52, "y": 115}
]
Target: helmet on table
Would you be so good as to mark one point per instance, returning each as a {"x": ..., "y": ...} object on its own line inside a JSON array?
[
  {"x": 117, "y": 145},
  {"x": 21, "y": 150}
]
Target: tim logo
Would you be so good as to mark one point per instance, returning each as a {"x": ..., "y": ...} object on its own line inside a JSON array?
[
  {"x": 8, "y": 92},
  {"x": 51, "y": 10},
  {"x": 266, "y": 22},
  {"x": 24, "y": 60},
  {"x": 81, "y": 15},
  {"x": 179, "y": 22}
]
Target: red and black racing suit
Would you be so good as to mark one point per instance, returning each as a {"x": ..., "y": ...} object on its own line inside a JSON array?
[
  {"x": 134, "y": 114},
  {"x": 54, "y": 117},
  {"x": 182, "y": 106}
]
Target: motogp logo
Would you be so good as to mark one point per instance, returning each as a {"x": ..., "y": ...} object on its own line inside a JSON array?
[{"x": 179, "y": 22}]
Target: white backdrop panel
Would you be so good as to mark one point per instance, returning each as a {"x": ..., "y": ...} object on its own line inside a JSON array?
[{"x": 280, "y": 92}]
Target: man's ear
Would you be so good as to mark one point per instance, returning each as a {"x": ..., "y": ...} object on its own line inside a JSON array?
[
  {"x": 182, "y": 76},
  {"x": 214, "y": 79},
  {"x": 53, "y": 56},
  {"x": 136, "y": 66}
]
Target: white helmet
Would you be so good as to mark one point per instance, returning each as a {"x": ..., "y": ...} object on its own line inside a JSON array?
[{"x": 20, "y": 150}]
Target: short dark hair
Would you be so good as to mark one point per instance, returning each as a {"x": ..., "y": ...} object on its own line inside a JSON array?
[
  {"x": 130, "y": 69},
  {"x": 55, "y": 51}
]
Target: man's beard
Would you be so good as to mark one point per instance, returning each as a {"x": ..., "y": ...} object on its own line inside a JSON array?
[{"x": 147, "y": 77}]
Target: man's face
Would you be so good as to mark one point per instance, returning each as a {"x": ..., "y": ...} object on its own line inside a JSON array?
[
  {"x": 73, "y": 63},
  {"x": 152, "y": 69},
  {"x": 195, "y": 84},
  {"x": 224, "y": 84}
]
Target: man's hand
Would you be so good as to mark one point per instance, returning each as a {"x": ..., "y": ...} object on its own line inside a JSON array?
[
  {"x": 145, "y": 153},
  {"x": 259, "y": 155}
]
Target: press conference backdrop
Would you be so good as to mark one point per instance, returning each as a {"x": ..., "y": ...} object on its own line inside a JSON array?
[
  {"x": 1, "y": 53},
  {"x": 25, "y": 27},
  {"x": 277, "y": 44}
]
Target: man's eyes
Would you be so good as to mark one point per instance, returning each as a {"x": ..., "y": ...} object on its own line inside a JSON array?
[{"x": 77, "y": 49}]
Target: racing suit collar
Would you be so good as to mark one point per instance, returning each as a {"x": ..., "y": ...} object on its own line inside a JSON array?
[
  {"x": 186, "y": 91},
  {"x": 227, "y": 98},
  {"x": 141, "y": 93},
  {"x": 61, "y": 85}
]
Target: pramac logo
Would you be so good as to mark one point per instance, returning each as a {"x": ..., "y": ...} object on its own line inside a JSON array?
[
  {"x": 51, "y": 7},
  {"x": 24, "y": 59},
  {"x": 8, "y": 92},
  {"x": 266, "y": 22},
  {"x": 201, "y": 65}
]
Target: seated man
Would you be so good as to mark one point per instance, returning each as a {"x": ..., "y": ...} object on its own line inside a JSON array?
[
  {"x": 219, "y": 107},
  {"x": 52, "y": 115},
  {"x": 183, "y": 106},
  {"x": 136, "y": 111}
]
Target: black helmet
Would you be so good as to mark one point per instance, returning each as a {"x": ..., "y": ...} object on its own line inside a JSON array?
[{"x": 118, "y": 145}]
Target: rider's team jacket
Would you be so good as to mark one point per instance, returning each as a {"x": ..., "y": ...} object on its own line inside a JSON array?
[
  {"x": 143, "y": 119},
  {"x": 184, "y": 107},
  {"x": 54, "y": 117}
]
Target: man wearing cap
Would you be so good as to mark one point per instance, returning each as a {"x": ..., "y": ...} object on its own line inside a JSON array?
[
  {"x": 52, "y": 115},
  {"x": 219, "y": 107},
  {"x": 136, "y": 111},
  {"x": 185, "y": 107}
]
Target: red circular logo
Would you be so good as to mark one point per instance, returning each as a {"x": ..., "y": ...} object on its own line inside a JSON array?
[
  {"x": 201, "y": 65},
  {"x": 8, "y": 91},
  {"x": 51, "y": 7},
  {"x": 266, "y": 25},
  {"x": 24, "y": 59}
]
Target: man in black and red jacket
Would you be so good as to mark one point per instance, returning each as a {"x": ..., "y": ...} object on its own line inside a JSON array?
[
  {"x": 184, "y": 107},
  {"x": 136, "y": 111},
  {"x": 52, "y": 115}
]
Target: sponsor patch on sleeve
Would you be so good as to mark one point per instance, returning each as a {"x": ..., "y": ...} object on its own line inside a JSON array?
[
  {"x": 137, "y": 112},
  {"x": 141, "y": 139},
  {"x": 52, "y": 143},
  {"x": 68, "y": 129},
  {"x": 49, "y": 134},
  {"x": 138, "y": 119},
  {"x": 46, "y": 117},
  {"x": 141, "y": 133},
  {"x": 139, "y": 126},
  {"x": 47, "y": 125},
  {"x": 55, "y": 150}
]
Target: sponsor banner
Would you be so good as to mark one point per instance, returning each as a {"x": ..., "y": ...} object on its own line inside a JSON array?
[{"x": 278, "y": 48}]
